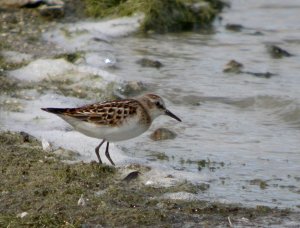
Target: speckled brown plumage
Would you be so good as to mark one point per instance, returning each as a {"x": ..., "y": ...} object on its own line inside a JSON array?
[{"x": 107, "y": 113}]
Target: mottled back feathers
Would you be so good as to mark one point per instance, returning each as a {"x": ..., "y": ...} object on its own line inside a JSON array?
[{"x": 112, "y": 113}]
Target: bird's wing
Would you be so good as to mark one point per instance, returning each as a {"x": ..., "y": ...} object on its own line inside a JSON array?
[{"x": 108, "y": 113}]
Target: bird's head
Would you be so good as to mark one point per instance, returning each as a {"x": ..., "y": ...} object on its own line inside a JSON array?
[{"x": 156, "y": 106}]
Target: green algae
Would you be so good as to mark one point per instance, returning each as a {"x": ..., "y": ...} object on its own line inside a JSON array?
[
  {"x": 160, "y": 16},
  {"x": 203, "y": 164},
  {"x": 160, "y": 156},
  {"x": 70, "y": 57},
  {"x": 261, "y": 183}
]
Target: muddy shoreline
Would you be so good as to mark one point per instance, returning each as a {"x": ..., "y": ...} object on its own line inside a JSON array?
[{"x": 48, "y": 191}]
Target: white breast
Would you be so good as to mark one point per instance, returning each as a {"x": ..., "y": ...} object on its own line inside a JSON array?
[{"x": 130, "y": 129}]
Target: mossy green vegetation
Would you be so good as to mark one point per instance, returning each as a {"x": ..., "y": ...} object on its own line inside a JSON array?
[
  {"x": 160, "y": 16},
  {"x": 38, "y": 183}
]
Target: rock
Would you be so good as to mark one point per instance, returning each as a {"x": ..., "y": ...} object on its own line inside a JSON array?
[
  {"x": 27, "y": 137},
  {"x": 162, "y": 134},
  {"x": 131, "y": 176},
  {"x": 22, "y": 215},
  {"x": 277, "y": 52},
  {"x": 131, "y": 88},
  {"x": 149, "y": 182},
  {"x": 233, "y": 67},
  {"x": 81, "y": 201},
  {"x": 234, "y": 27},
  {"x": 52, "y": 11},
  {"x": 145, "y": 62},
  {"x": 46, "y": 145}
]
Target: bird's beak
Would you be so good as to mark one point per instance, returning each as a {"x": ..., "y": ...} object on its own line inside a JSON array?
[{"x": 168, "y": 113}]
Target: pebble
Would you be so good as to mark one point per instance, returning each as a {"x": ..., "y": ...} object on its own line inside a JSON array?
[
  {"x": 233, "y": 66},
  {"x": 234, "y": 27},
  {"x": 46, "y": 145},
  {"x": 22, "y": 215},
  {"x": 131, "y": 88},
  {"x": 145, "y": 62},
  {"x": 162, "y": 134},
  {"x": 277, "y": 52},
  {"x": 81, "y": 201},
  {"x": 131, "y": 176}
]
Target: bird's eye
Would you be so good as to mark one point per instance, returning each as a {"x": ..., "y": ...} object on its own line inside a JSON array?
[{"x": 158, "y": 104}]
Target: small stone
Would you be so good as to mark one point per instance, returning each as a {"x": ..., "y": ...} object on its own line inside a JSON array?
[
  {"x": 27, "y": 137},
  {"x": 131, "y": 88},
  {"x": 81, "y": 201},
  {"x": 149, "y": 182},
  {"x": 234, "y": 27},
  {"x": 233, "y": 67},
  {"x": 22, "y": 215},
  {"x": 162, "y": 134},
  {"x": 131, "y": 176},
  {"x": 46, "y": 145},
  {"x": 277, "y": 52},
  {"x": 145, "y": 62}
]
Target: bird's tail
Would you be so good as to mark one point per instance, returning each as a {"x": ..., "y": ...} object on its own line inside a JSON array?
[{"x": 55, "y": 110}]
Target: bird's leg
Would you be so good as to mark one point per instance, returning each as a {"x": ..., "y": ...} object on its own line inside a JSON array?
[
  {"x": 107, "y": 154},
  {"x": 97, "y": 151}
]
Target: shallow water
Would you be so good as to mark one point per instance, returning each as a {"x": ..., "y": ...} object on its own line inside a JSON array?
[
  {"x": 251, "y": 124},
  {"x": 247, "y": 128}
]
